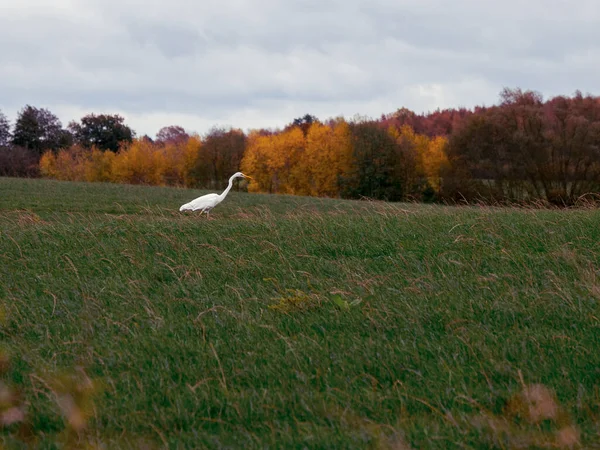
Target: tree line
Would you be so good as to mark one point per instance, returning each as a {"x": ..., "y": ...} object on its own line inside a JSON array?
[{"x": 524, "y": 149}]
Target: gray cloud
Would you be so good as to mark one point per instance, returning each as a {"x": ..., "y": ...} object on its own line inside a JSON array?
[{"x": 264, "y": 62}]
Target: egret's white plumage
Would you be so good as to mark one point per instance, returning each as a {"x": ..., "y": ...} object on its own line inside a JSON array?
[{"x": 209, "y": 201}]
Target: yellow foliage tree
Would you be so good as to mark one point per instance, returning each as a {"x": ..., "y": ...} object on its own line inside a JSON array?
[
  {"x": 434, "y": 160},
  {"x": 273, "y": 162},
  {"x": 171, "y": 159},
  {"x": 99, "y": 166},
  {"x": 328, "y": 157},
  {"x": 255, "y": 163},
  {"x": 191, "y": 151},
  {"x": 314, "y": 160},
  {"x": 288, "y": 153},
  {"x": 67, "y": 164},
  {"x": 428, "y": 156},
  {"x": 290, "y": 162},
  {"x": 140, "y": 162},
  {"x": 48, "y": 165}
]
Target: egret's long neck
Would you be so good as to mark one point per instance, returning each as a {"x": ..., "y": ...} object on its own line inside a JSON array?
[{"x": 226, "y": 191}]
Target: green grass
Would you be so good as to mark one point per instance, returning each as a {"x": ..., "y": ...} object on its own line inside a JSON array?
[{"x": 290, "y": 322}]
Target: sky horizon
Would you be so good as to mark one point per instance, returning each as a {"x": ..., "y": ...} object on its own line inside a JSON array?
[{"x": 262, "y": 63}]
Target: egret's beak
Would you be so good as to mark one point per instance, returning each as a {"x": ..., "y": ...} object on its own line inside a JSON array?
[{"x": 250, "y": 178}]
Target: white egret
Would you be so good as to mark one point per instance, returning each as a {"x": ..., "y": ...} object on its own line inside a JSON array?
[{"x": 209, "y": 201}]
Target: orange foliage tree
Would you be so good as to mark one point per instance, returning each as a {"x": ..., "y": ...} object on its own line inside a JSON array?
[
  {"x": 421, "y": 159},
  {"x": 327, "y": 158},
  {"x": 334, "y": 159},
  {"x": 99, "y": 165},
  {"x": 255, "y": 162},
  {"x": 67, "y": 164},
  {"x": 435, "y": 161},
  {"x": 323, "y": 160},
  {"x": 179, "y": 160},
  {"x": 141, "y": 162},
  {"x": 273, "y": 162}
]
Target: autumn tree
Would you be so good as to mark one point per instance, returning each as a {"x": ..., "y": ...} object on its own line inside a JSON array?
[
  {"x": 139, "y": 163},
  {"x": 441, "y": 122},
  {"x": 275, "y": 162},
  {"x": 180, "y": 158},
  {"x": 550, "y": 149},
  {"x": 480, "y": 163},
  {"x": 287, "y": 150},
  {"x": 191, "y": 152},
  {"x": 256, "y": 162},
  {"x": 572, "y": 158},
  {"x": 420, "y": 160},
  {"x": 405, "y": 117},
  {"x": 102, "y": 131},
  {"x": 99, "y": 166},
  {"x": 38, "y": 129},
  {"x": 327, "y": 158},
  {"x": 219, "y": 157},
  {"x": 68, "y": 164},
  {"x": 525, "y": 149},
  {"x": 435, "y": 161},
  {"x": 408, "y": 162},
  {"x": 173, "y": 134}
]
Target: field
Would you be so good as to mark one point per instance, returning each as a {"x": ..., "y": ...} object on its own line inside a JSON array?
[{"x": 291, "y": 322}]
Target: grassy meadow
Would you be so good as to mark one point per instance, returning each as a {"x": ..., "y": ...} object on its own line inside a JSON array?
[{"x": 292, "y": 322}]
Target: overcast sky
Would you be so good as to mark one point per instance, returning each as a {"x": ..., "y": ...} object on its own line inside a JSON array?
[{"x": 261, "y": 63}]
